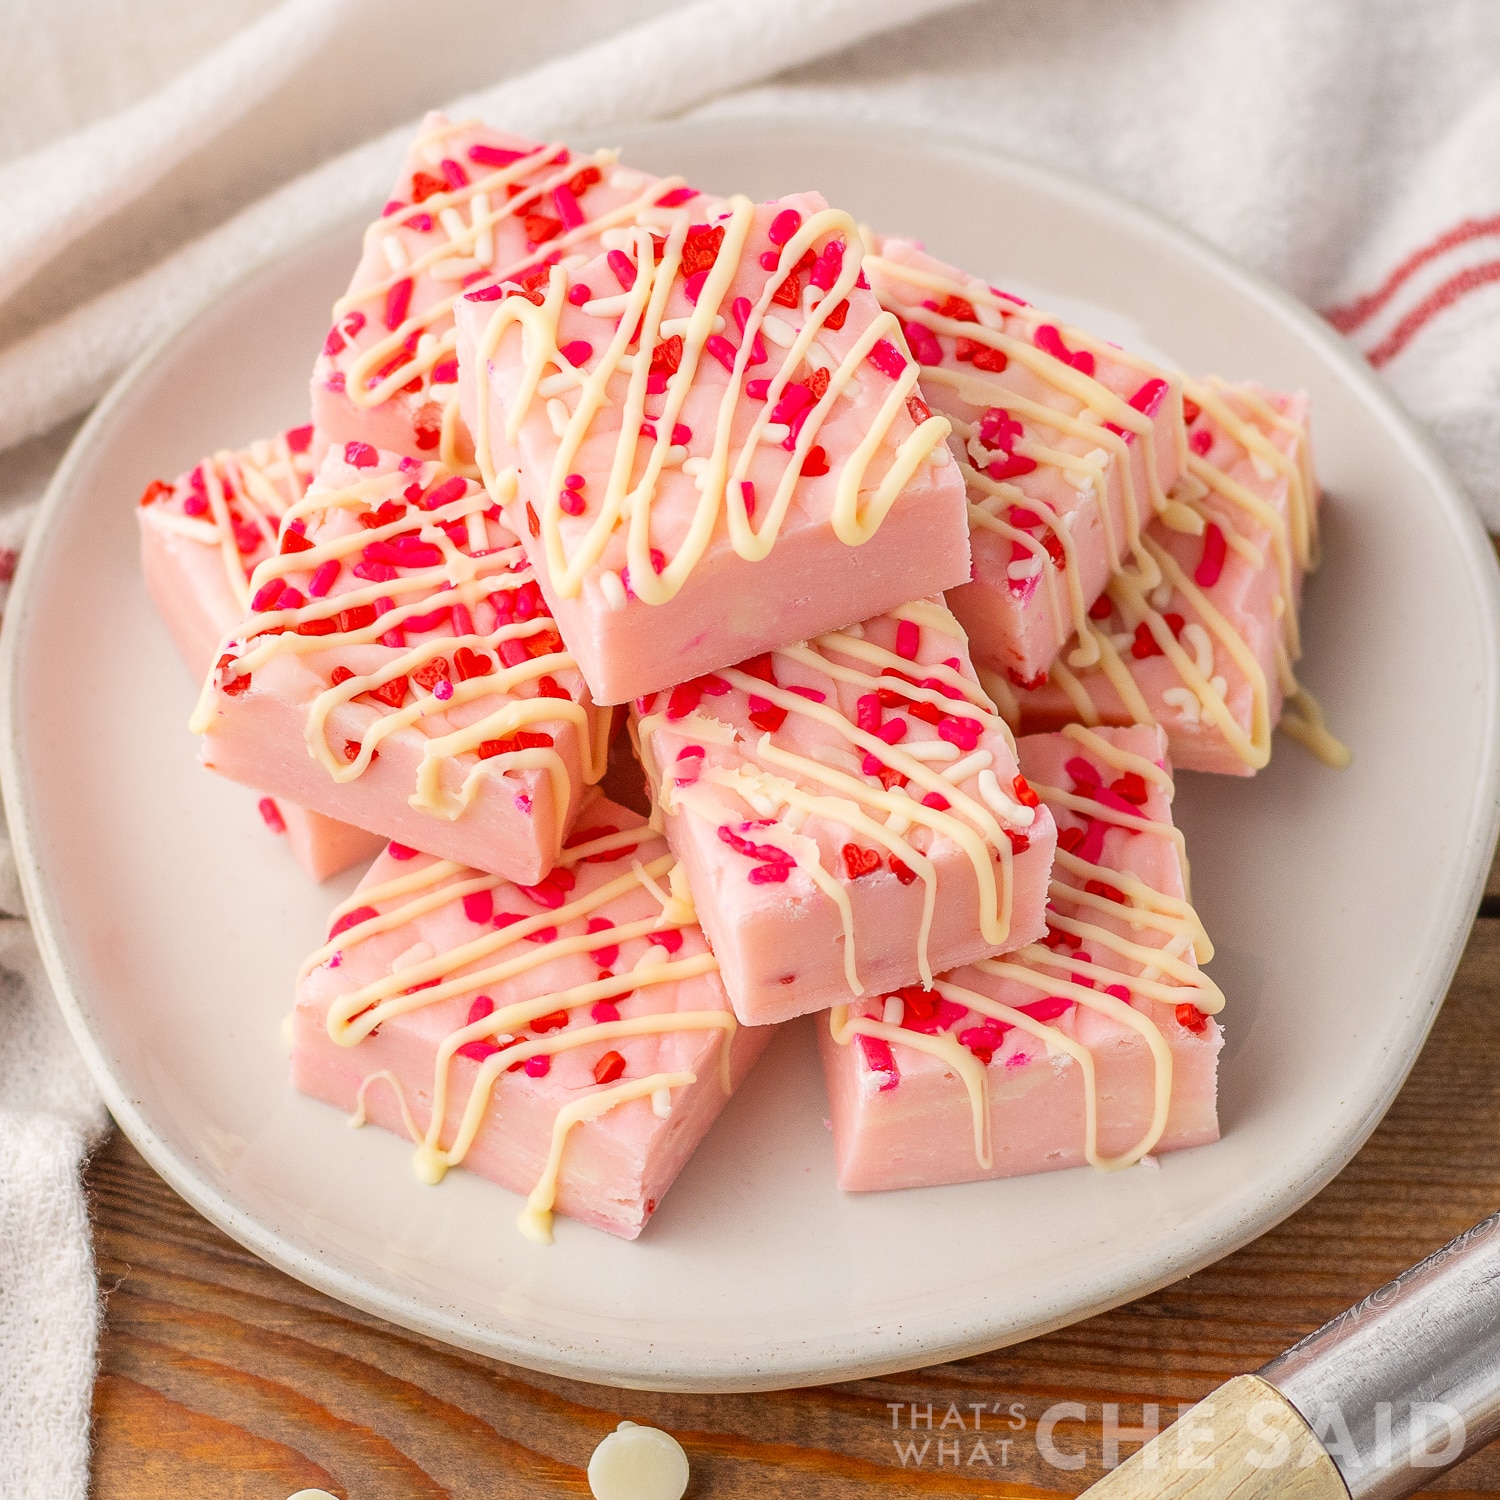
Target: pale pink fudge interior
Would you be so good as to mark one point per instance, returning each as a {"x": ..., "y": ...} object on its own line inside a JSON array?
[
  {"x": 1215, "y": 678},
  {"x": 201, "y": 537},
  {"x": 443, "y": 992},
  {"x": 833, "y": 495},
  {"x": 827, "y": 800},
  {"x": 398, "y": 670},
  {"x": 471, "y": 204},
  {"x": 981, "y": 1076},
  {"x": 1068, "y": 445}
]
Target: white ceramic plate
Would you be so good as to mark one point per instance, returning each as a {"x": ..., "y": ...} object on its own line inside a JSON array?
[{"x": 172, "y": 924}]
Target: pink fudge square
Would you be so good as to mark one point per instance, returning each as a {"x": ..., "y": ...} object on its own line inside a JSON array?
[
  {"x": 721, "y": 442},
  {"x": 1068, "y": 446},
  {"x": 201, "y": 537},
  {"x": 471, "y": 204},
  {"x": 1208, "y": 652},
  {"x": 849, "y": 814},
  {"x": 1070, "y": 1050},
  {"x": 570, "y": 1041},
  {"x": 398, "y": 670}
]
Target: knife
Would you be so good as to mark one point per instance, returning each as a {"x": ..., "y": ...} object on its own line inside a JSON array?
[{"x": 1372, "y": 1406}]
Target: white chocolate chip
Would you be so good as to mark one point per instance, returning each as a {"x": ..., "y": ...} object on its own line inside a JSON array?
[{"x": 638, "y": 1463}]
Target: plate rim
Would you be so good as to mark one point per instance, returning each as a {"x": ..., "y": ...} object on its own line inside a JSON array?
[{"x": 625, "y": 1366}]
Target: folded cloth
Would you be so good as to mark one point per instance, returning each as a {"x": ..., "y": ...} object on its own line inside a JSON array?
[{"x": 1346, "y": 149}]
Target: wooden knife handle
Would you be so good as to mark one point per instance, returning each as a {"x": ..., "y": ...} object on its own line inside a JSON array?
[{"x": 1246, "y": 1441}]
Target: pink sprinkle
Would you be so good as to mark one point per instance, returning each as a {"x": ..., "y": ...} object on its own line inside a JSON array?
[
  {"x": 1201, "y": 441},
  {"x": 1046, "y": 1010},
  {"x": 871, "y": 765},
  {"x": 1083, "y": 772},
  {"x": 677, "y": 197},
  {"x": 494, "y": 156},
  {"x": 656, "y": 384},
  {"x": 908, "y": 638},
  {"x": 574, "y": 481},
  {"x": 265, "y": 597},
  {"x": 924, "y": 345},
  {"x": 453, "y": 173},
  {"x": 538, "y": 1066},
  {"x": 682, "y": 435},
  {"x": 741, "y": 309},
  {"x": 769, "y": 874},
  {"x": 195, "y": 505},
  {"x": 769, "y": 260},
  {"x": 292, "y": 599},
  {"x": 483, "y": 1006},
  {"x": 571, "y": 503},
  {"x": 422, "y": 223},
  {"x": 503, "y": 919},
  {"x": 867, "y": 712},
  {"x": 578, "y": 294},
  {"x": 442, "y": 690},
  {"x": 360, "y": 455},
  {"x": 463, "y": 621},
  {"x": 1119, "y": 991},
  {"x": 445, "y": 372},
  {"x": 479, "y": 906},
  {"x": 893, "y": 731},
  {"x": 693, "y": 287},
  {"x": 811, "y": 694},
  {"x": 455, "y": 487},
  {"x": 879, "y": 1059},
  {"x": 491, "y": 293},
  {"x": 523, "y": 803},
  {"x": 622, "y": 266},
  {"x": 887, "y": 358},
  {"x": 747, "y": 493},
  {"x": 335, "y": 382},
  {"x": 478, "y": 1051},
  {"x": 397, "y": 301},
  {"x": 576, "y": 351},
  {"x": 1211, "y": 564},
  {"x": 1147, "y": 400},
  {"x": 323, "y": 578},
  {"x": 757, "y": 390},
  {"x": 605, "y": 1011},
  {"x": 827, "y": 267},
  {"x": 721, "y": 349},
  {"x": 648, "y": 430},
  {"x": 272, "y": 815},
  {"x": 691, "y": 752},
  {"x": 784, "y": 226},
  {"x": 567, "y": 206},
  {"x": 393, "y": 206},
  {"x": 352, "y": 919},
  {"x": 936, "y": 801},
  {"x": 669, "y": 938},
  {"x": 606, "y": 955},
  {"x": 959, "y": 731},
  {"x": 334, "y": 343}
]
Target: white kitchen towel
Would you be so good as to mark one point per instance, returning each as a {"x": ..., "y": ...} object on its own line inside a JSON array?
[{"x": 150, "y": 155}]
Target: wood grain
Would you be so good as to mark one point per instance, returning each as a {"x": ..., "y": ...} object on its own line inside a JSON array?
[{"x": 221, "y": 1377}]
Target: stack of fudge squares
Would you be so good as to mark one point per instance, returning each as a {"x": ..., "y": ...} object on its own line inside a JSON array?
[{"x": 905, "y": 598}]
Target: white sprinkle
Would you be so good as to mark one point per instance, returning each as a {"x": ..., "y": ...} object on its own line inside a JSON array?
[
  {"x": 835, "y": 756},
  {"x": 573, "y": 262},
  {"x": 416, "y": 954},
  {"x": 395, "y": 253},
  {"x": 1025, "y": 567},
  {"x": 894, "y": 1012},
  {"x": 454, "y": 268},
  {"x": 1185, "y": 702},
  {"x": 971, "y": 765},
  {"x": 1264, "y": 471},
  {"x": 661, "y": 1103},
  {"x": 638, "y": 1463},
  {"x": 779, "y": 331},
  {"x": 1202, "y": 647},
  {"x": 1007, "y": 807},
  {"x": 1122, "y": 641},
  {"x": 1161, "y": 595},
  {"x": 618, "y": 238},
  {"x": 811, "y": 296},
  {"x": 693, "y": 467},
  {"x": 775, "y": 432},
  {"x": 857, "y": 630},
  {"x": 484, "y": 230},
  {"x": 669, "y": 326},
  {"x": 1097, "y": 456},
  {"x": 626, "y": 364},
  {"x": 454, "y": 223},
  {"x": 557, "y": 416},
  {"x": 819, "y": 358},
  {"x": 674, "y": 457},
  {"x": 1218, "y": 684},
  {"x": 612, "y": 589},
  {"x": 933, "y": 750},
  {"x": 605, "y": 307},
  {"x": 989, "y": 317},
  {"x": 654, "y": 956},
  {"x": 627, "y": 179},
  {"x": 939, "y": 455}
]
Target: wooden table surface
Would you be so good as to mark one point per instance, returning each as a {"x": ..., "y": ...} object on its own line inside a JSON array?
[{"x": 220, "y": 1377}]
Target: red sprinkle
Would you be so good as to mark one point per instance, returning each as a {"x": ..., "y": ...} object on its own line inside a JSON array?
[
  {"x": 1201, "y": 441},
  {"x": 479, "y": 906},
  {"x": 878, "y": 1059},
  {"x": 859, "y": 861},
  {"x": 1190, "y": 1017},
  {"x": 272, "y": 815},
  {"x": 608, "y": 1068}
]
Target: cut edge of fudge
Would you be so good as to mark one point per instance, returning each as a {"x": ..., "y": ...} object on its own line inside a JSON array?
[
  {"x": 721, "y": 442},
  {"x": 201, "y": 536},
  {"x": 471, "y": 203},
  {"x": 791, "y": 785},
  {"x": 541, "y": 1092},
  {"x": 1206, "y": 645},
  {"x": 405, "y": 567},
  {"x": 1063, "y": 490},
  {"x": 971, "y": 1055}
]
